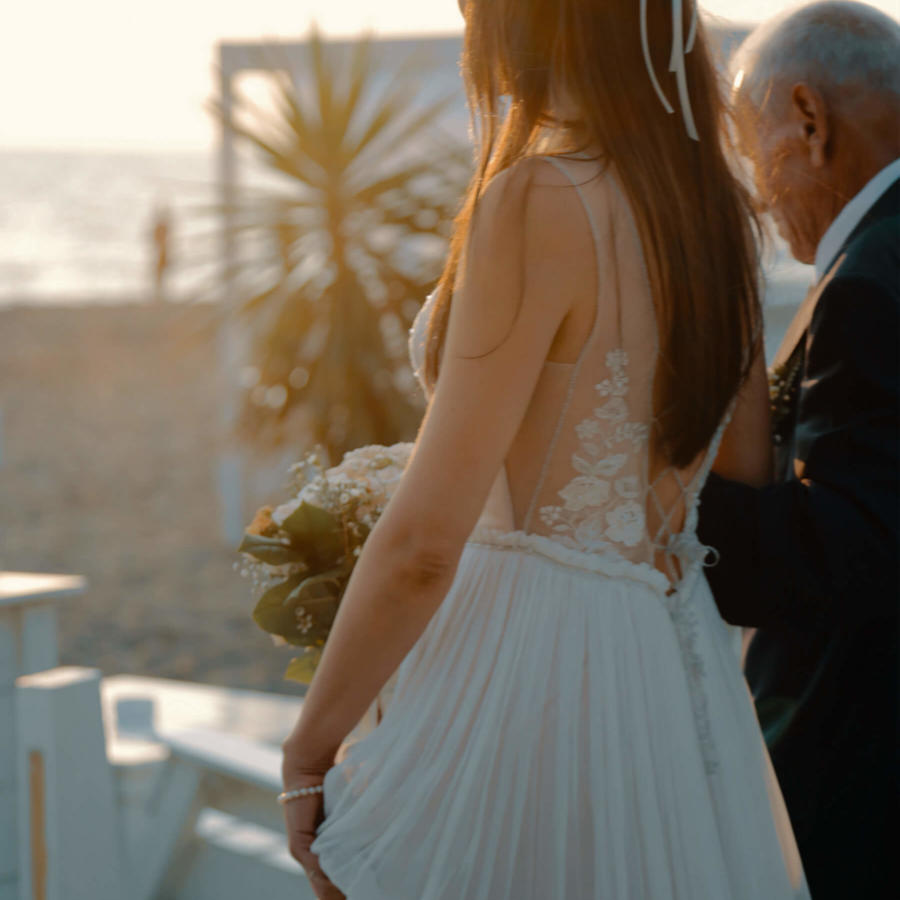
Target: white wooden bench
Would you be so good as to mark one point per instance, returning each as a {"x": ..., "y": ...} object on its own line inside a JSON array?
[{"x": 230, "y": 836}]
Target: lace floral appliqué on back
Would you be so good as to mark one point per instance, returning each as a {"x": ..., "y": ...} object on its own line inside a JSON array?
[{"x": 601, "y": 509}]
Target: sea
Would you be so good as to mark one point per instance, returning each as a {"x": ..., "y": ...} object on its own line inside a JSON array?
[{"x": 76, "y": 225}]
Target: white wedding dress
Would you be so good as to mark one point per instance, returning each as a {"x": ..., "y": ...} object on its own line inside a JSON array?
[{"x": 573, "y": 724}]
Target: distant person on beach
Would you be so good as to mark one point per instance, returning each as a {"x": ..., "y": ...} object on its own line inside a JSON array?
[
  {"x": 160, "y": 239},
  {"x": 812, "y": 562},
  {"x": 570, "y": 720}
]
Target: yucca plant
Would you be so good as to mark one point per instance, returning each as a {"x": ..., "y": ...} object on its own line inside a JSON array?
[{"x": 346, "y": 240}]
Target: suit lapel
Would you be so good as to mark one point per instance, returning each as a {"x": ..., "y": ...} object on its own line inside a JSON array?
[
  {"x": 887, "y": 204},
  {"x": 800, "y": 323},
  {"x": 790, "y": 360},
  {"x": 786, "y": 374}
]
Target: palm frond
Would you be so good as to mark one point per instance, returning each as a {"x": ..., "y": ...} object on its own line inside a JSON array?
[{"x": 364, "y": 176}]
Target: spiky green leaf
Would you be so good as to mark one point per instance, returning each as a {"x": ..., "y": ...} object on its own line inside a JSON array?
[{"x": 315, "y": 288}]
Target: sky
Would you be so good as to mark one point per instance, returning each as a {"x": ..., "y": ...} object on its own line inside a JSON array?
[{"x": 120, "y": 73}]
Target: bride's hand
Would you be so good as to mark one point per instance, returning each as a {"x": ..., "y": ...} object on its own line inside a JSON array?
[{"x": 302, "y": 817}]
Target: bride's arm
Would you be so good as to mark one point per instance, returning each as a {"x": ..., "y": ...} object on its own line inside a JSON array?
[
  {"x": 746, "y": 451},
  {"x": 501, "y": 329}
]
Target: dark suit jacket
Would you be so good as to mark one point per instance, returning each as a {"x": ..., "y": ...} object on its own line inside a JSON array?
[{"x": 813, "y": 562}]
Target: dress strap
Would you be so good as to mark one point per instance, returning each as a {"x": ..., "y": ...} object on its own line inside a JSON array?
[
  {"x": 558, "y": 164},
  {"x": 595, "y": 232}
]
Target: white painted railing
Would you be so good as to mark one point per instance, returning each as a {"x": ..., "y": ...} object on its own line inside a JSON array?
[
  {"x": 231, "y": 755},
  {"x": 27, "y": 644},
  {"x": 70, "y": 842},
  {"x": 235, "y": 846}
]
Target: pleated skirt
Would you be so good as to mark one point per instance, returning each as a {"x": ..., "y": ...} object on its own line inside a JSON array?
[{"x": 544, "y": 743}]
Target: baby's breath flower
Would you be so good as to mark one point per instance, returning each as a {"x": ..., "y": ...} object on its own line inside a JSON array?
[{"x": 304, "y": 620}]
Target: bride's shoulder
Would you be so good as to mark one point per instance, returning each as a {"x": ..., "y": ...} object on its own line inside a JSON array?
[
  {"x": 538, "y": 178},
  {"x": 529, "y": 253},
  {"x": 533, "y": 201},
  {"x": 526, "y": 173}
]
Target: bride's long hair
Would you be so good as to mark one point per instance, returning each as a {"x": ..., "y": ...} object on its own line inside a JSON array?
[{"x": 694, "y": 218}]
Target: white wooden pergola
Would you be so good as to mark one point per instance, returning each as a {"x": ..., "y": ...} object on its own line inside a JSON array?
[{"x": 234, "y": 60}]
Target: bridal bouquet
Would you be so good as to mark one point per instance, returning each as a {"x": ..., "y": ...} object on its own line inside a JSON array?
[{"x": 300, "y": 555}]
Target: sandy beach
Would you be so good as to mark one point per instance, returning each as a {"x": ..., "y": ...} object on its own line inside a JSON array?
[{"x": 109, "y": 427}]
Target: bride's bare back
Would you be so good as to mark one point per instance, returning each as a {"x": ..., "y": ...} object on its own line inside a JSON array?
[{"x": 580, "y": 469}]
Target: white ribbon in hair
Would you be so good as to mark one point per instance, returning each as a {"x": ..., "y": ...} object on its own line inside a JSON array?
[{"x": 680, "y": 49}]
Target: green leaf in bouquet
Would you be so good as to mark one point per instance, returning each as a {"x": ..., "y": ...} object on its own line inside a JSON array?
[
  {"x": 269, "y": 550},
  {"x": 317, "y": 598},
  {"x": 318, "y": 595},
  {"x": 302, "y": 668},
  {"x": 325, "y": 586},
  {"x": 316, "y": 532},
  {"x": 274, "y": 614}
]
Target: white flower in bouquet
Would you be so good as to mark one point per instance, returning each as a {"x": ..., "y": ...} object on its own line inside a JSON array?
[{"x": 365, "y": 478}]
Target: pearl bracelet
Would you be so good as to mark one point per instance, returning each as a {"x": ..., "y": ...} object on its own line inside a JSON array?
[{"x": 297, "y": 793}]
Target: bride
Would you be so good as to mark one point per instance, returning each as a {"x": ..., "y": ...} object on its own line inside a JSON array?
[{"x": 569, "y": 720}]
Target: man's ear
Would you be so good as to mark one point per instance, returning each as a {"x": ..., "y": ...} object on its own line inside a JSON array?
[{"x": 811, "y": 117}]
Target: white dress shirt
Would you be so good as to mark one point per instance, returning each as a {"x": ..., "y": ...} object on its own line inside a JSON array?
[{"x": 851, "y": 215}]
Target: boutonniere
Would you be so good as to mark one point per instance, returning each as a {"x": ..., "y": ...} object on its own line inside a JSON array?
[{"x": 784, "y": 382}]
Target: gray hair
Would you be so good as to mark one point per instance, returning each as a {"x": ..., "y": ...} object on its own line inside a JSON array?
[{"x": 832, "y": 46}]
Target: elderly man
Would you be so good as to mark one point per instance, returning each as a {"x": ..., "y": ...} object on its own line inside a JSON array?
[{"x": 812, "y": 561}]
